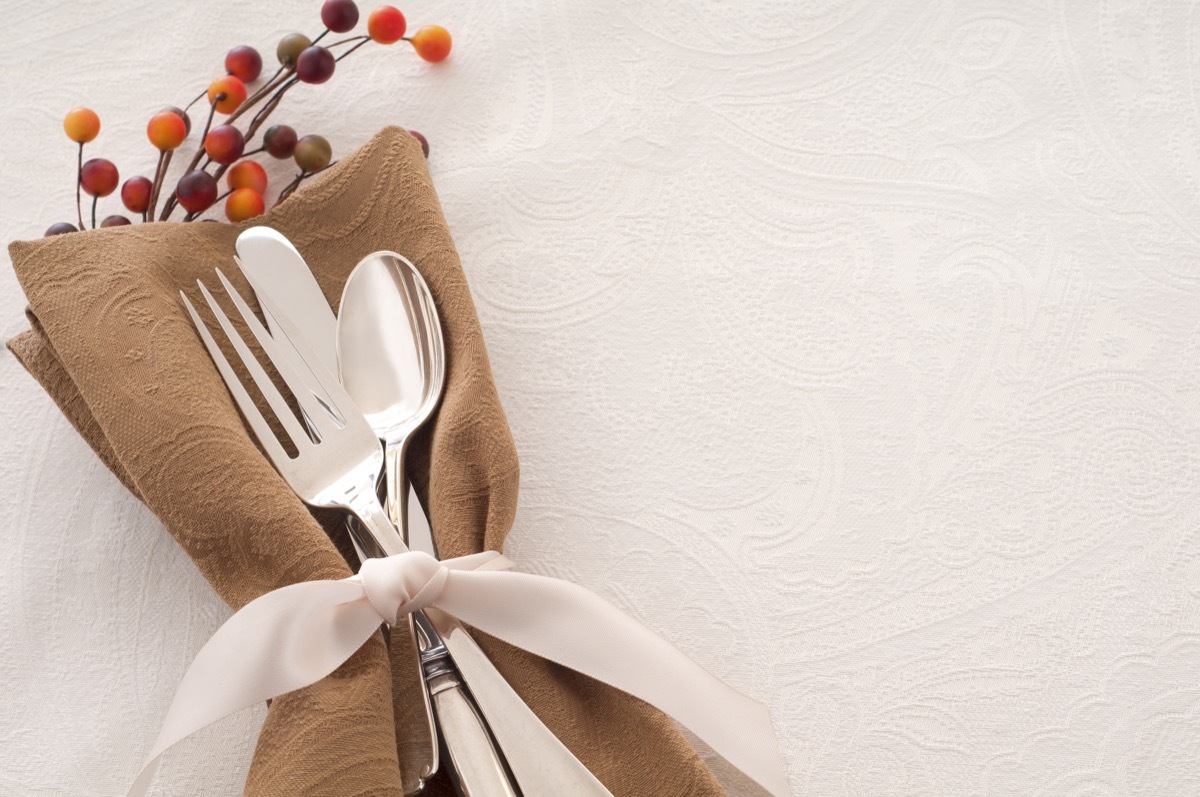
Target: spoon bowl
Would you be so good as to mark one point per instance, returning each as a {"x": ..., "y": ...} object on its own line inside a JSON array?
[{"x": 391, "y": 359}]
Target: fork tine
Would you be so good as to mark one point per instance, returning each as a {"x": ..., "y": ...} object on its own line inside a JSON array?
[
  {"x": 258, "y": 424},
  {"x": 312, "y": 408},
  {"x": 274, "y": 398},
  {"x": 341, "y": 412}
]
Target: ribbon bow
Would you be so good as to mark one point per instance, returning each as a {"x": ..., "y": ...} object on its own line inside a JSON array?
[{"x": 297, "y": 635}]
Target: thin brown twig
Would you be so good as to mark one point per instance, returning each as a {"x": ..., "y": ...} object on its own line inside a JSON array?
[
  {"x": 365, "y": 40},
  {"x": 271, "y": 105},
  {"x": 291, "y": 187},
  {"x": 276, "y": 80},
  {"x": 78, "y": 185},
  {"x": 345, "y": 41},
  {"x": 196, "y": 100},
  {"x": 169, "y": 205},
  {"x": 160, "y": 173}
]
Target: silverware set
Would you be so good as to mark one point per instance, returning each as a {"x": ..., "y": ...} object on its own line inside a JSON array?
[{"x": 364, "y": 382}]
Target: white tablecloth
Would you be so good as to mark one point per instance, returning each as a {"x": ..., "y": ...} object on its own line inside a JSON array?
[{"x": 852, "y": 346}]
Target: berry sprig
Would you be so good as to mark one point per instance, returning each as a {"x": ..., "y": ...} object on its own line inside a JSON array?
[{"x": 226, "y": 148}]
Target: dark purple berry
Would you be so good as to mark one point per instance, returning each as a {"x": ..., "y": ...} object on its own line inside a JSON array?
[
  {"x": 280, "y": 141},
  {"x": 424, "y": 142},
  {"x": 315, "y": 65},
  {"x": 61, "y": 228},
  {"x": 339, "y": 15}
]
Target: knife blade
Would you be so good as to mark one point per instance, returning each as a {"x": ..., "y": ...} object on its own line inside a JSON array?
[{"x": 269, "y": 260}]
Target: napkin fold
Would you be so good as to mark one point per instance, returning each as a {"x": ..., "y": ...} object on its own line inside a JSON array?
[{"x": 110, "y": 342}]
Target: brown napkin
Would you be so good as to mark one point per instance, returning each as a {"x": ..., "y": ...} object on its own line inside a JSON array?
[{"x": 111, "y": 344}]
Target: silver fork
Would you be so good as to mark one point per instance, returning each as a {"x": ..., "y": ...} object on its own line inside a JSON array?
[{"x": 337, "y": 467}]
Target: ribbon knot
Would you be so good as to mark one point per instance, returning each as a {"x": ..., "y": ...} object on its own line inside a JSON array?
[{"x": 402, "y": 584}]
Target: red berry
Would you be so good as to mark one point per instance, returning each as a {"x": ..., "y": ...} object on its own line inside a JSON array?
[
  {"x": 60, "y": 228},
  {"x": 386, "y": 25},
  {"x": 81, "y": 125},
  {"x": 228, "y": 93},
  {"x": 99, "y": 177},
  {"x": 315, "y": 65},
  {"x": 115, "y": 221},
  {"x": 135, "y": 194},
  {"x": 244, "y": 203},
  {"x": 280, "y": 141},
  {"x": 196, "y": 191},
  {"x": 339, "y": 15},
  {"x": 312, "y": 153},
  {"x": 166, "y": 130},
  {"x": 247, "y": 174},
  {"x": 243, "y": 62},
  {"x": 224, "y": 144},
  {"x": 432, "y": 43},
  {"x": 290, "y": 47},
  {"x": 424, "y": 142}
]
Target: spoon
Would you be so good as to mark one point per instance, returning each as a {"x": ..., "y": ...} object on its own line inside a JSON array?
[{"x": 392, "y": 360}]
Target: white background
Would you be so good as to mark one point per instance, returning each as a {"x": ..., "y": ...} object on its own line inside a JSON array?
[{"x": 853, "y": 346}]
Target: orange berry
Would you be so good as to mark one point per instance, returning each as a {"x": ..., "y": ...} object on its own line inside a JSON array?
[
  {"x": 432, "y": 43},
  {"x": 166, "y": 130},
  {"x": 244, "y": 203},
  {"x": 224, "y": 144},
  {"x": 247, "y": 174},
  {"x": 386, "y": 25},
  {"x": 81, "y": 125},
  {"x": 231, "y": 93}
]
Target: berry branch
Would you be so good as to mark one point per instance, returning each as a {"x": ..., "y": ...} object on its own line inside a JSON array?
[{"x": 301, "y": 60}]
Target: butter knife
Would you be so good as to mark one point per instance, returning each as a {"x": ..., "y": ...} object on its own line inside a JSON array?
[{"x": 284, "y": 284}]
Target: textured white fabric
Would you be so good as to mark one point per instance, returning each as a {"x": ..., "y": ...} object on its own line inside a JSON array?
[{"x": 875, "y": 323}]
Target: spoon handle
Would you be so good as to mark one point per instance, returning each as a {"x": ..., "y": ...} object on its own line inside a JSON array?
[{"x": 396, "y": 495}]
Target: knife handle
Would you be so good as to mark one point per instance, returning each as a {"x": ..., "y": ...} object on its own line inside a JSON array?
[{"x": 476, "y": 764}]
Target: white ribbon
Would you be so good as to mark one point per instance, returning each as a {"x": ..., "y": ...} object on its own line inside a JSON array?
[{"x": 296, "y": 635}]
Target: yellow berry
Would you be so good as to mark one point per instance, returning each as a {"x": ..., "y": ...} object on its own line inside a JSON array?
[{"x": 81, "y": 125}]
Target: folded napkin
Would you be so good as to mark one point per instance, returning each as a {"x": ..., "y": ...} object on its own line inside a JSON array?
[{"x": 110, "y": 342}]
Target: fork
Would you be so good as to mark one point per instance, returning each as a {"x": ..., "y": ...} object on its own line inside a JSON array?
[{"x": 337, "y": 467}]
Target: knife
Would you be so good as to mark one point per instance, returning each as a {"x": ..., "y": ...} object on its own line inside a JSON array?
[
  {"x": 285, "y": 287},
  {"x": 284, "y": 284},
  {"x": 531, "y": 750}
]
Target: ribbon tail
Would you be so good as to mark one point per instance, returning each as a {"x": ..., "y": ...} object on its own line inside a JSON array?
[
  {"x": 573, "y": 627},
  {"x": 282, "y": 641}
]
